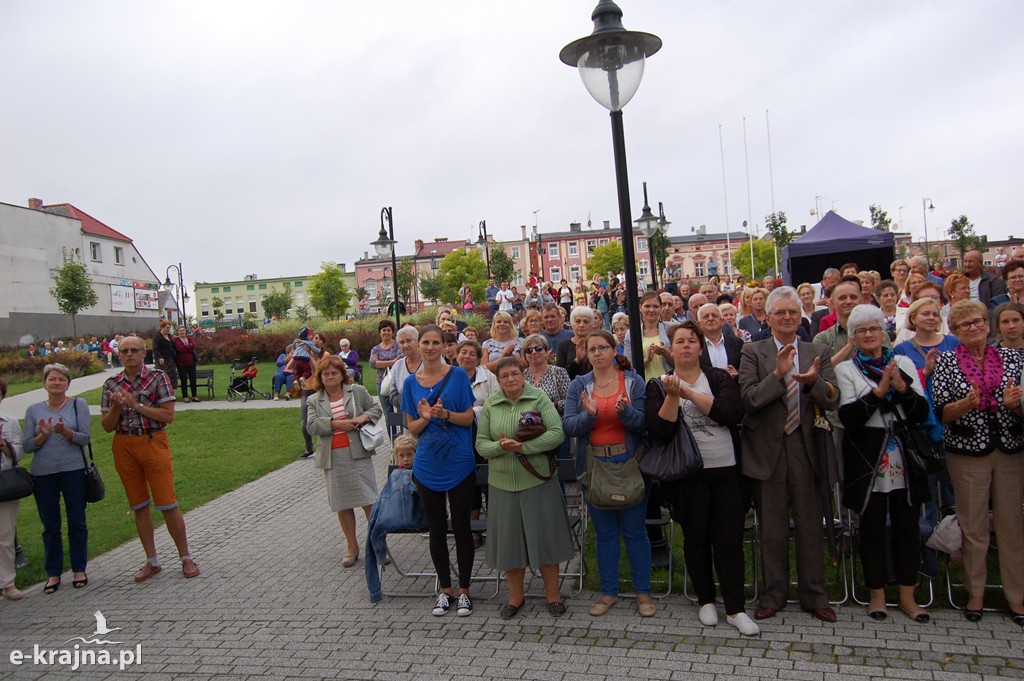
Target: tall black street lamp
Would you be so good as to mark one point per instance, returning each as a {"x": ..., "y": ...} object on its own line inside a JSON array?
[
  {"x": 611, "y": 64},
  {"x": 648, "y": 224},
  {"x": 179, "y": 292},
  {"x": 482, "y": 243},
  {"x": 386, "y": 242}
]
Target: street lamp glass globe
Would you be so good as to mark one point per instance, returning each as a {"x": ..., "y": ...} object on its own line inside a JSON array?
[
  {"x": 383, "y": 244},
  {"x": 612, "y": 68}
]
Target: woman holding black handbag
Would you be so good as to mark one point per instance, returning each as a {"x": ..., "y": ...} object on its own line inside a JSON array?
[
  {"x": 710, "y": 504},
  {"x": 881, "y": 391},
  {"x": 57, "y": 429}
]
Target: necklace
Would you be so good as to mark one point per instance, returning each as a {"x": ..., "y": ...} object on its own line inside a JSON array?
[
  {"x": 606, "y": 383},
  {"x": 59, "y": 406}
]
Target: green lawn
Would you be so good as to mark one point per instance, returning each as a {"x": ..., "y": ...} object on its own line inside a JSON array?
[{"x": 214, "y": 452}]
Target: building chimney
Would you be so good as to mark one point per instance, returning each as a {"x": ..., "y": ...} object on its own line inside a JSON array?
[
  {"x": 575, "y": 227},
  {"x": 35, "y": 204},
  {"x": 342, "y": 269},
  {"x": 419, "y": 245},
  {"x": 607, "y": 224},
  {"x": 440, "y": 240},
  {"x": 523, "y": 227}
]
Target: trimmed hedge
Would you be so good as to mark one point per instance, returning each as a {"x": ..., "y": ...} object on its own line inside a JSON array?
[{"x": 19, "y": 365}]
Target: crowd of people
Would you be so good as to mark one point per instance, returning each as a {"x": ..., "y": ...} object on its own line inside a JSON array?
[{"x": 784, "y": 391}]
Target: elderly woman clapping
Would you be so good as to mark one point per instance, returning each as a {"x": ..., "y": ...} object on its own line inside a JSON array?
[
  {"x": 880, "y": 388},
  {"x": 526, "y": 513},
  {"x": 977, "y": 395}
]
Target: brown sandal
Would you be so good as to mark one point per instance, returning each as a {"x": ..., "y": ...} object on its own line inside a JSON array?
[
  {"x": 148, "y": 570},
  {"x": 189, "y": 568}
]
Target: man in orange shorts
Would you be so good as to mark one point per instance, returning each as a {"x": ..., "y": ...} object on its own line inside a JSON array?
[{"x": 137, "y": 404}]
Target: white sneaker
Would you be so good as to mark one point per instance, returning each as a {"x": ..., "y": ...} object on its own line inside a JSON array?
[
  {"x": 708, "y": 615},
  {"x": 443, "y": 605},
  {"x": 744, "y": 624},
  {"x": 465, "y": 607}
]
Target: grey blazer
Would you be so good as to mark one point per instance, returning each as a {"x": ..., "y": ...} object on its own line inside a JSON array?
[
  {"x": 318, "y": 421},
  {"x": 764, "y": 398}
]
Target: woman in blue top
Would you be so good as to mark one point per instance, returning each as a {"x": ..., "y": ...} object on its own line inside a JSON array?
[
  {"x": 438, "y": 400},
  {"x": 56, "y": 430}
]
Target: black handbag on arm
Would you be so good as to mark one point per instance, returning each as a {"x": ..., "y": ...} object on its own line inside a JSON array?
[
  {"x": 920, "y": 454},
  {"x": 95, "y": 490}
]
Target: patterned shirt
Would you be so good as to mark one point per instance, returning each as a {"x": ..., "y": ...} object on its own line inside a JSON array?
[
  {"x": 554, "y": 382},
  {"x": 151, "y": 388}
]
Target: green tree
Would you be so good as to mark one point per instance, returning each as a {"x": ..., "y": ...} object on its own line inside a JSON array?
[
  {"x": 503, "y": 268},
  {"x": 72, "y": 288},
  {"x": 880, "y": 220},
  {"x": 328, "y": 292},
  {"x": 302, "y": 313},
  {"x": 459, "y": 267},
  {"x": 278, "y": 302},
  {"x": 764, "y": 258},
  {"x": 431, "y": 287},
  {"x": 405, "y": 279},
  {"x": 961, "y": 233},
  {"x": 218, "y": 305},
  {"x": 361, "y": 292},
  {"x": 604, "y": 259},
  {"x": 659, "y": 244}
]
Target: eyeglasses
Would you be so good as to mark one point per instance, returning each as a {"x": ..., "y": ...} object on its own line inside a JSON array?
[
  {"x": 978, "y": 323},
  {"x": 129, "y": 351},
  {"x": 1015, "y": 277},
  {"x": 598, "y": 349},
  {"x": 786, "y": 313},
  {"x": 864, "y": 330},
  {"x": 534, "y": 348}
]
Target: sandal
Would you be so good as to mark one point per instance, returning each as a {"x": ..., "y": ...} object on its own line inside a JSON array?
[
  {"x": 51, "y": 588},
  {"x": 349, "y": 561},
  {"x": 80, "y": 583},
  {"x": 147, "y": 571},
  {"x": 189, "y": 568},
  {"x": 508, "y": 611}
]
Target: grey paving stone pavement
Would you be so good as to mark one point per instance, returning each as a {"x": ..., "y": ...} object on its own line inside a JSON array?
[{"x": 273, "y": 602}]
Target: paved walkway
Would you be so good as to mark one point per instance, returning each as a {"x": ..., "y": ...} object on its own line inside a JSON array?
[{"x": 274, "y": 603}]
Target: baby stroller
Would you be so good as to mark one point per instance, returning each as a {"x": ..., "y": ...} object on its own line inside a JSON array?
[{"x": 242, "y": 386}]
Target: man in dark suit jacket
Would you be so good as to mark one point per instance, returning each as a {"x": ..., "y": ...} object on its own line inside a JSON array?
[
  {"x": 779, "y": 452},
  {"x": 987, "y": 285},
  {"x": 718, "y": 342}
]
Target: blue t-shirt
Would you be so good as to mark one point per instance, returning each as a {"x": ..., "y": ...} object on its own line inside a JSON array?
[
  {"x": 444, "y": 453},
  {"x": 907, "y": 349}
]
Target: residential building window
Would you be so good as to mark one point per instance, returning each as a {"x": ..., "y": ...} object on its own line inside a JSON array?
[
  {"x": 215, "y": 289},
  {"x": 435, "y": 264},
  {"x": 641, "y": 243},
  {"x": 574, "y": 249},
  {"x": 553, "y": 252},
  {"x": 298, "y": 284},
  {"x": 118, "y": 255},
  {"x": 515, "y": 253},
  {"x": 643, "y": 268},
  {"x": 252, "y": 303},
  {"x": 227, "y": 289},
  {"x": 94, "y": 251},
  {"x": 204, "y": 308},
  {"x": 555, "y": 274},
  {"x": 263, "y": 287},
  {"x": 574, "y": 273},
  {"x": 371, "y": 289},
  {"x": 518, "y": 279},
  {"x": 228, "y": 310},
  {"x": 591, "y": 245},
  {"x": 603, "y": 242},
  {"x": 698, "y": 267},
  {"x": 250, "y": 287}
]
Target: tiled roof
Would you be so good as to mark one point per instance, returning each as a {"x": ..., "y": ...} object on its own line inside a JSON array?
[
  {"x": 90, "y": 225},
  {"x": 439, "y": 249}
]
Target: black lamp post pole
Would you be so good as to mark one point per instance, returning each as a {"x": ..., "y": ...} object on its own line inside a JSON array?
[
  {"x": 487, "y": 246},
  {"x": 628, "y": 253},
  {"x": 386, "y": 214},
  {"x": 179, "y": 300}
]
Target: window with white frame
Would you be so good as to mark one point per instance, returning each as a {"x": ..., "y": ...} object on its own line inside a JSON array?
[
  {"x": 641, "y": 243},
  {"x": 118, "y": 255},
  {"x": 435, "y": 264},
  {"x": 204, "y": 307},
  {"x": 603, "y": 242},
  {"x": 252, "y": 303},
  {"x": 643, "y": 268},
  {"x": 591, "y": 245},
  {"x": 515, "y": 253},
  {"x": 555, "y": 274},
  {"x": 574, "y": 272},
  {"x": 698, "y": 267},
  {"x": 553, "y": 252},
  {"x": 371, "y": 288},
  {"x": 574, "y": 249},
  {"x": 518, "y": 279},
  {"x": 94, "y": 251}
]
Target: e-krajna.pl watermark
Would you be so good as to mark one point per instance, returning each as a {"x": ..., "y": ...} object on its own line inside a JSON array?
[{"x": 78, "y": 657}]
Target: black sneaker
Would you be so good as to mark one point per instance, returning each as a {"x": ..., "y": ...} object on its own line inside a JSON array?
[
  {"x": 443, "y": 605},
  {"x": 20, "y": 561},
  {"x": 465, "y": 608},
  {"x": 305, "y": 455}
]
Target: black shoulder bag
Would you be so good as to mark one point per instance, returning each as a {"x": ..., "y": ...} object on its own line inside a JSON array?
[{"x": 95, "y": 490}]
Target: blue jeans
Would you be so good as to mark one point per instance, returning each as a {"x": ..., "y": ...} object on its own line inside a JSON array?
[
  {"x": 49, "y": 489},
  {"x": 631, "y": 524},
  {"x": 282, "y": 381}
]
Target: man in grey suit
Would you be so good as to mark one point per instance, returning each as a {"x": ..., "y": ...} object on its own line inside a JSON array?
[{"x": 782, "y": 379}]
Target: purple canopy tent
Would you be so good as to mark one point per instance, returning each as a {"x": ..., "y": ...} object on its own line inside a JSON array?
[{"x": 833, "y": 242}]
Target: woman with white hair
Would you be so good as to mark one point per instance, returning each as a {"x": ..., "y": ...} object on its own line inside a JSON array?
[
  {"x": 880, "y": 388},
  {"x": 571, "y": 354},
  {"x": 408, "y": 344},
  {"x": 56, "y": 430},
  {"x": 351, "y": 359}
]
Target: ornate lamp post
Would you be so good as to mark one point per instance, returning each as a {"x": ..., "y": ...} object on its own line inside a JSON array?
[
  {"x": 648, "y": 224},
  {"x": 384, "y": 244},
  {"x": 926, "y": 205},
  {"x": 482, "y": 243},
  {"x": 180, "y": 294},
  {"x": 611, "y": 64}
]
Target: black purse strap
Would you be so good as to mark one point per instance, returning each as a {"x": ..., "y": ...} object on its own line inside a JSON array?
[
  {"x": 91, "y": 461},
  {"x": 440, "y": 389}
]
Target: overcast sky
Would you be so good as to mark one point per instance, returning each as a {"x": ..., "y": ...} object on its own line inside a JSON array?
[{"x": 264, "y": 137}]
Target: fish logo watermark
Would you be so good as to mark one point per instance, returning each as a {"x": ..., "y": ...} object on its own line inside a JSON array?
[{"x": 83, "y": 654}]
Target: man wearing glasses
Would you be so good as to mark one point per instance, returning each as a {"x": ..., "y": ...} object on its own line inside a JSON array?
[
  {"x": 137, "y": 405},
  {"x": 782, "y": 381},
  {"x": 845, "y": 296}
]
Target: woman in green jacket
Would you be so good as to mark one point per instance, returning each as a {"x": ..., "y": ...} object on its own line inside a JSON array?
[{"x": 526, "y": 518}]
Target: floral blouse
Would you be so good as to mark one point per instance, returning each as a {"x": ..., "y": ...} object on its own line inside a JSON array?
[{"x": 554, "y": 382}]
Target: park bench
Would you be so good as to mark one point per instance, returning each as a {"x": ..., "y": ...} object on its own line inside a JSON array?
[{"x": 204, "y": 379}]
